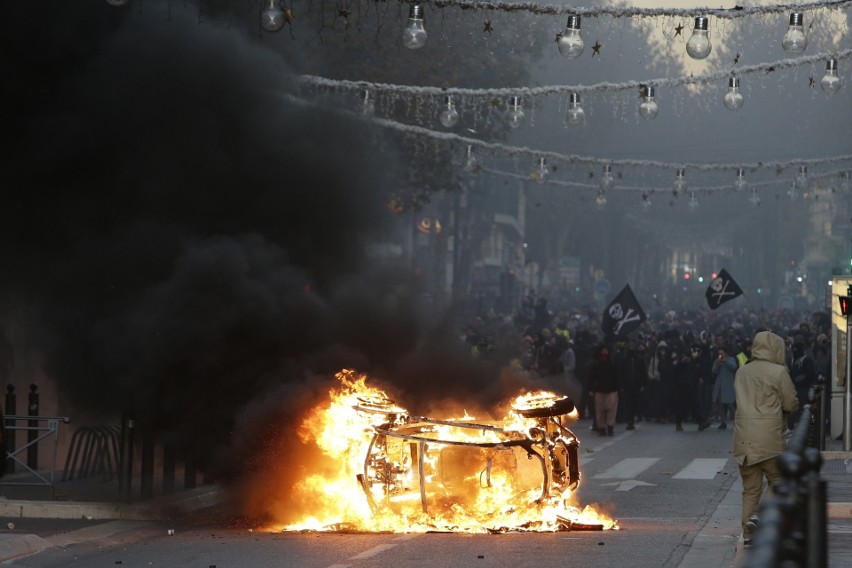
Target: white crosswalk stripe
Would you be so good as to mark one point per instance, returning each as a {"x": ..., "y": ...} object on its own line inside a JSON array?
[
  {"x": 627, "y": 468},
  {"x": 702, "y": 468}
]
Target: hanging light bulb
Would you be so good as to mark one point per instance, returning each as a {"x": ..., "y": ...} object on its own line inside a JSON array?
[
  {"x": 272, "y": 16},
  {"x": 471, "y": 164},
  {"x": 679, "y": 185},
  {"x": 646, "y": 201},
  {"x": 693, "y": 201},
  {"x": 846, "y": 184},
  {"x": 607, "y": 179},
  {"x": 740, "y": 184},
  {"x": 698, "y": 46},
  {"x": 575, "y": 114},
  {"x": 754, "y": 198},
  {"x": 830, "y": 82},
  {"x": 516, "y": 112},
  {"x": 733, "y": 99},
  {"x": 791, "y": 193},
  {"x": 795, "y": 40},
  {"x": 541, "y": 171},
  {"x": 414, "y": 35},
  {"x": 118, "y": 2},
  {"x": 648, "y": 107},
  {"x": 449, "y": 116},
  {"x": 801, "y": 181},
  {"x": 570, "y": 42},
  {"x": 600, "y": 199},
  {"x": 368, "y": 104}
]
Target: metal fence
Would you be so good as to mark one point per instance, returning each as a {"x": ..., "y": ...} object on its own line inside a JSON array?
[
  {"x": 23, "y": 460},
  {"x": 793, "y": 529}
]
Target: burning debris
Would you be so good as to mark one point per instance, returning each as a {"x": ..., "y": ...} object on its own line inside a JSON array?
[{"x": 404, "y": 473}]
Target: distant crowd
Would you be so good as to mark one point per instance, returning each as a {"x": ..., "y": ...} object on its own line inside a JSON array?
[{"x": 677, "y": 368}]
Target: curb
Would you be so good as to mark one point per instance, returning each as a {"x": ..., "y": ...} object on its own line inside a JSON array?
[{"x": 14, "y": 546}]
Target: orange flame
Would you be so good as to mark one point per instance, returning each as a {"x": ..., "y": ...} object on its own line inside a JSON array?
[{"x": 401, "y": 473}]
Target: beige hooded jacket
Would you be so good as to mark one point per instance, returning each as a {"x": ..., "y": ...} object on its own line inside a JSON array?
[{"x": 764, "y": 393}]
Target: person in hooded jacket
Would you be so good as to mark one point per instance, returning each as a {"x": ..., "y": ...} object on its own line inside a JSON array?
[{"x": 764, "y": 393}]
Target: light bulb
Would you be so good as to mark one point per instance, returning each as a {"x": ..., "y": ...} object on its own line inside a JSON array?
[
  {"x": 648, "y": 107},
  {"x": 698, "y": 46},
  {"x": 607, "y": 179},
  {"x": 740, "y": 184},
  {"x": 570, "y": 42},
  {"x": 368, "y": 104},
  {"x": 471, "y": 164},
  {"x": 679, "y": 185},
  {"x": 801, "y": 181},
  {"x": 830, "y": 82},
  {"x": 791, "y": 193},
  {"x": 693, "y": 202},
  {"x": 575, "y": 114},
  {"x": 449, "y": 116},
  {"x": 600, "y": 199},
  {"x": 414, "y": 34},
  {"x": 118, "y": 2},
  {"x": 516, "y": 112},
  {"x": 733, "y": 99},
  {"x": 754, "y": 198},
  {"x": 795, "y": 40},
  {"x": 272, "y": 16},
  {"x": 541, "y": 170}
]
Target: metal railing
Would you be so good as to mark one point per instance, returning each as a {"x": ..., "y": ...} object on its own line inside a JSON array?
[
  {"x": 39, "y": 429},
  {"x": 793, "y": 526}
]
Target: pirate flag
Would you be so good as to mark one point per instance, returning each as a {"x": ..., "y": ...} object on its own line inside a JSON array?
[
  {"x": 623, "y": 315},
  {"x": 722, "y": 289}
]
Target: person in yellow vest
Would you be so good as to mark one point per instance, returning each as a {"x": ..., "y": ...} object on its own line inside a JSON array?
[{"x": 744, "y": 353}]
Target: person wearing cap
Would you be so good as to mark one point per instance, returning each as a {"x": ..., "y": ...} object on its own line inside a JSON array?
[{"x": 764, "y": 393}]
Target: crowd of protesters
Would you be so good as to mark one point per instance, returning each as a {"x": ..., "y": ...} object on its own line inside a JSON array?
[{"x": 677, "y": 368}]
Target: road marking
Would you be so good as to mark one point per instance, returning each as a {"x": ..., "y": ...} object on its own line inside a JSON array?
[
  {"x": 375, "y": 551},
  {"x": 702, "y": 468},
  {"x": 101, "y": 530},
  {"x": 627, "y": 468},
  {"x": 629, "y": 484},
  {"x": 408, "y": 536}
]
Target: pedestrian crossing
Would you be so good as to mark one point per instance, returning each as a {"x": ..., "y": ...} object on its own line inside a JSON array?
[{"x": 631, "y": 468}]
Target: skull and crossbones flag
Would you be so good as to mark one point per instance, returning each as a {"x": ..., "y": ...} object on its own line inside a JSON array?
[
  {"x": 721, "y": 289},
  {"x": 623, "y": 314}
]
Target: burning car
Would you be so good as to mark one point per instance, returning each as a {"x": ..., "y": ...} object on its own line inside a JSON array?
[{"x": 419, "y": 473}]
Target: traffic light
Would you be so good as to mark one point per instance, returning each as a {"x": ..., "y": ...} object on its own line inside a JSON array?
[{"x": 844, "y": 305}]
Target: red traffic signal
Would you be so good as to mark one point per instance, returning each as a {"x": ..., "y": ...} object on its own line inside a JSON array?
[{"x": 844, "y": 304}]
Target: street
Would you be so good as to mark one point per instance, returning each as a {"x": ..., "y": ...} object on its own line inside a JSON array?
[{"x": 667, "y": 490}]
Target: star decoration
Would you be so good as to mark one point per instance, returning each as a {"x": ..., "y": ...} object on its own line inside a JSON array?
[
  {"x": 596, "y": 49},
  {"x": 770, "y": 69},
  {"x": 495, "y": 103},
  {"x": 811, "y": 81},
  {"x": 343, "y": 14},
  {"x": 487, "y": 27},
  {"x": 674, "y": 193},
  {"x": 591, "y": 175},
  {"x": 679, "y": 29},
  {"x": 737, "y": 57},
  {"x": 779, "y": 170}
]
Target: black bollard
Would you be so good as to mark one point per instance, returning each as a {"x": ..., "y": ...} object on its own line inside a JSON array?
[
  {"x": 10, "y": 432},
  {"x": 147, "y": 480},
  {"x": 32, "y": 430},
  {"x": 168, "y": 468},
  {"x": 125, "y": 470}
]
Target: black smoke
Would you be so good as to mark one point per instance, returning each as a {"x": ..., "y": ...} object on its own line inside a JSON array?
[{"x": 188, "y": 246}]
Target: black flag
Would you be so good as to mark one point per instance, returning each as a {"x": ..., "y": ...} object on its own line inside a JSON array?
[
  {"x": 722, "y": 289},
  {"x": 623, "y": 314}
]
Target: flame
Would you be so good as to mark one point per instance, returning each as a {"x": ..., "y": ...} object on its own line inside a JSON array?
[{"x": 401, "y": 473}]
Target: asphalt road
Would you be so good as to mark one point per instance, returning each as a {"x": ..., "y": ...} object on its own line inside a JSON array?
[{"x": 675, "y": 495}]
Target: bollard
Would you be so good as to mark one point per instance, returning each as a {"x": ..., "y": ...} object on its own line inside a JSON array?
[
  {"x": 126, "y": 461},
  {"x": 168, "y": 468},
  {"x": 10, "y": 433},
  {"x": 147, "y": 480},
  {"x": 32, "y": 431}
]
